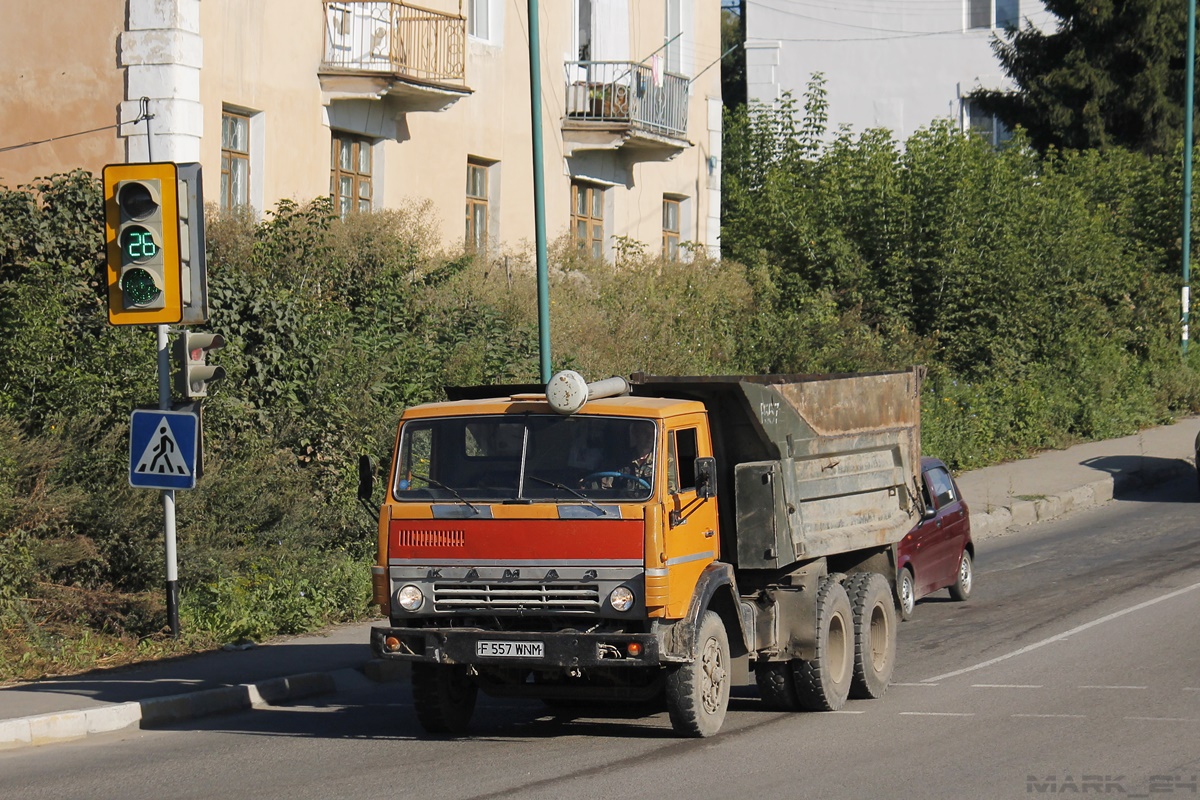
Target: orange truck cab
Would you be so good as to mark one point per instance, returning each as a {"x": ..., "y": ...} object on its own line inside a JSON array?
[{"x": 629, "y": 539}]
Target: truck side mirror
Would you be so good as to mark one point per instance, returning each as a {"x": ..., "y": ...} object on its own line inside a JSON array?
[
  {"x": 706, "y": 477},
  {"x": 366, "y": 478}
]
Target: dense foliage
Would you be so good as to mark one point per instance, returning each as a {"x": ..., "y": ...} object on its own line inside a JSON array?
[
  {"x": 1039, "y": 290},
  {"x": 1106, "y": 72}
]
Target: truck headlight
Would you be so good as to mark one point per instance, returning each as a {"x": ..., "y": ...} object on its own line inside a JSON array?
[
  {"x": 621, "y": 598},
  {"x": 410, "y": 598}
]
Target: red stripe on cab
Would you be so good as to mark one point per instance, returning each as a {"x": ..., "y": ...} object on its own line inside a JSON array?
[{"x": 516, "y": 539}]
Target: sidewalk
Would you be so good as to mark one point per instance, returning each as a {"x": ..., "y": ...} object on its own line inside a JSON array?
[{"x": 165, "y": 692}]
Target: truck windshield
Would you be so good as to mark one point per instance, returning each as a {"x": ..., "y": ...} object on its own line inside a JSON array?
[{"x": 533, "y": 457}]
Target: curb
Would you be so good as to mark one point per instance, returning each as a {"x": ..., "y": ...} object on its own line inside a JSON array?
[
  {"x": 1021, "y": 512},
  {"x": 70, "y": 725}
]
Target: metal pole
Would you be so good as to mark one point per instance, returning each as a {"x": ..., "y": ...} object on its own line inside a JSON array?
[
  {"x": 168, "y": 495},
  {"x": 1189, "y": 96},
  {"x": 539, "y": 196}
]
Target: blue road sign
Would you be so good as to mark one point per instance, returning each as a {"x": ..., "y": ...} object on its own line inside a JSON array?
[{"x": 162, "y": 449}]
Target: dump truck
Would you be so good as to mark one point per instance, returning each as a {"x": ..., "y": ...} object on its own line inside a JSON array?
[{"x": 650, "y": 538}]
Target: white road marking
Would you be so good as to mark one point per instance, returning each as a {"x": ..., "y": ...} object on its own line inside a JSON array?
[
  {"x": 1112, "y": 687},
  {"x": 1005, "y": 686},
  {"x": 933, "y": 714},
  {"x": 1064, "y": 635}
]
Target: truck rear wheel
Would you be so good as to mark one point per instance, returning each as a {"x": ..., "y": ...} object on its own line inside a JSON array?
[
  {"x": 874, "y": 634},
  {"x": 823, "y": 684},
  {"x": 698, "y": 692},
  {"x": 444, "y": 697},
  {"x": 776, "y": 685}
]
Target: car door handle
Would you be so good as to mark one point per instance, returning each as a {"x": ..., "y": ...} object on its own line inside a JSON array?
[{"x": 709, "y": 534}]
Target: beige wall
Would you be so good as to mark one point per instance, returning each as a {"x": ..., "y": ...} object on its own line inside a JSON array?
[
  {"x": 60, "y": 76},
  {"x": 264, "y": 56}
]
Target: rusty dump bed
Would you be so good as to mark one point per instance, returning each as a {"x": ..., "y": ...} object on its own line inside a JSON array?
[
  {"x": 807, "y": 465},
  {"x": 815, "y": 464}
]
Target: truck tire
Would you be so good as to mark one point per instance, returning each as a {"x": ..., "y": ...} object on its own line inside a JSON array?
[
  {"x": 698, "y": 691},
  {"x": 444, "y": 697},
  {"x": 906, "y": 593},
  {"x": 777, "y": 685},
  {"x": 874, "y": 634},
  {"x": 961, "y": 589},
  {"x": 823, "y": 684}
]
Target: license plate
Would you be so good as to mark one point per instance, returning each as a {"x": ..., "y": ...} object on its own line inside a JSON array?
[{"x": 510, "y": 649}]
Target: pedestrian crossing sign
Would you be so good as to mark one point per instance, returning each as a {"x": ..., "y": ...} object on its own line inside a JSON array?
[{"x": 163, "y": 446}]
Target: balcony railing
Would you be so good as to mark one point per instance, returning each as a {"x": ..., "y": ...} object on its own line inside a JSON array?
[
  {"x": 391, "y": 37},
  {"x": 628, "y": 93}
]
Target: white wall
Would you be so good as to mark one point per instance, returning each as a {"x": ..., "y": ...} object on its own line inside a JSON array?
[{"x": 887, "y": 63}]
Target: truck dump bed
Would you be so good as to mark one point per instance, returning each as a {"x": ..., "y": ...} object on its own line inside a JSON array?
[{"x": 809, "y": 465}]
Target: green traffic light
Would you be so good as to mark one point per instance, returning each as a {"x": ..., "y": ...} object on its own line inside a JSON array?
[{"x": 139, "y": 287}]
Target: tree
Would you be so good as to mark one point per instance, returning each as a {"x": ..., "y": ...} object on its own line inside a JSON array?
[{"x": 1110, "y": 75}]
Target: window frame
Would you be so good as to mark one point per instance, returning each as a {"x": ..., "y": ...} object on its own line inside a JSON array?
[
  {"x": 476, "y": 239},
  {"x": 475, "y": 17},
  {"x": 358, "y": 177},
  {"x": 230, "y": 156},
  {"x": 591, "y": 217},
  {"x": 671, "y": 238}
]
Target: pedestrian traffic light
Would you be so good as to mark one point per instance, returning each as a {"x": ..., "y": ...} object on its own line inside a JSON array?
[
  {"x": 191, "y": 353},
  {"x": 141, "y": 214}
]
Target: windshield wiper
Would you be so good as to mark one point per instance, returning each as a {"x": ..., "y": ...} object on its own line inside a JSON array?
[
  {"x": 441, "y": 485},
  {"x": 566, "y": 488}
]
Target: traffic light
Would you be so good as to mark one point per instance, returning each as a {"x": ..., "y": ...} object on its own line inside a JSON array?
[
  {"x": 193, "y": 274},
  {"x": 141, "y": 214},
  {"x": 191, "y": 353}
]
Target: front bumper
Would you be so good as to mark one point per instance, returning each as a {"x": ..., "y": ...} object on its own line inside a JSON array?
[{"x": 560, "y": 650}]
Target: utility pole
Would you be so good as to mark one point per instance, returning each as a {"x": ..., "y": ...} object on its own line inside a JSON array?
[
  {"x": 539, "y": 195},
  {"x": 1189, "y": 96}
]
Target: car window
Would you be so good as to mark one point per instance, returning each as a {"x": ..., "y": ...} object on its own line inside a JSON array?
[{"x": 941, "y": 486}]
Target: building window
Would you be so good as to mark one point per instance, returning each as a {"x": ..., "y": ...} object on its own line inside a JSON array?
[
  {"x": 989, "y": 14},
  {"x": 587, "y": 217},
  {"x": 670, "y": 228},
  {"x": 235, "y": 160},
  {"x": 478, "y": 22},
  {"x": 673, "y": 29},
  {"x": 477, "y": 205},
  {"x": 989, "y": 126},
  {"x": 350, "y": 176}
]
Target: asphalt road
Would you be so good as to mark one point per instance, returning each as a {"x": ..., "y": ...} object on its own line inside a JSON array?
[{"x": 1072, "y": 670}]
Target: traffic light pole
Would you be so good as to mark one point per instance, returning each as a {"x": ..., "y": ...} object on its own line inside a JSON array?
[{"x": 168, "y": 495}]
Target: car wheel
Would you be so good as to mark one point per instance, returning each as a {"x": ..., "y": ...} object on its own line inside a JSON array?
[
  {"x": 874, "y": 634},
  {"x": 776, "y": 686},
  {"x": 444, "y": 697},
  {"x": 961, "y": 589},
  {"x": 906, "y": 593},
  {"x": 698, "y": 691},
  {"x": 823, "y": 684}
]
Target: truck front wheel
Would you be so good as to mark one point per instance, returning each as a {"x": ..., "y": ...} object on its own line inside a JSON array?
[
  {"x": 823, "y": 684},
  {"x": 444, "y": 697},
  {"x": 698, "y": 692},
  {"x": 874, "y": 634}
]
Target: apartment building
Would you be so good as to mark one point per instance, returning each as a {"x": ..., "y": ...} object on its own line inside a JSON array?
[
  {"x": 379, "y": 103},
  {"x": 895, "y": 64}
]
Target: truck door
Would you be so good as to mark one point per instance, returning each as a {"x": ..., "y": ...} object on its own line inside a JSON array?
[{"x": 691, "y": 538}]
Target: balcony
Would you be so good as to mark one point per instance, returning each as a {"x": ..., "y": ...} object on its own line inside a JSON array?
[
  {"x": 376, "y": 49},
  {"x": 625, "y": 104}
]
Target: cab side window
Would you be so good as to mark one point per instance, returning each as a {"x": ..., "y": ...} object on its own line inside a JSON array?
[{"x": 681, "y": 454}]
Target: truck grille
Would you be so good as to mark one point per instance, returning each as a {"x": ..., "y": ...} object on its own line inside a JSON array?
[
  {"x": 419, "y": 538},
  {"x": 576, "y": 598}
]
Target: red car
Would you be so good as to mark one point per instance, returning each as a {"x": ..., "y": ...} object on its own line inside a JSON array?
[{"x": 938, "y": 553}]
